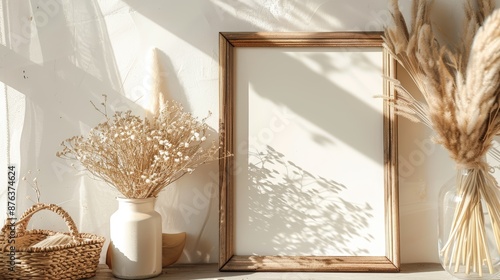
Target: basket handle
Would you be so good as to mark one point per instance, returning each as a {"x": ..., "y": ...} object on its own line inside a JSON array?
[{"x": 26, "y": 217}]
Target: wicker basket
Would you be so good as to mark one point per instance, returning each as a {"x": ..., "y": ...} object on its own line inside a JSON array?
[{"x": 75, "y": 260}]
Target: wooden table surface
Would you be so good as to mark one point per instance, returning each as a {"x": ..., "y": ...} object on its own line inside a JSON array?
[{"x": 209, "y": 271}]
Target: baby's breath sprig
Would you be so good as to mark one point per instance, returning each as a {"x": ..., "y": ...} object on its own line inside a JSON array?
[
  {"x": 33, "y": 182},
  {"x": 141, "y": 156}
]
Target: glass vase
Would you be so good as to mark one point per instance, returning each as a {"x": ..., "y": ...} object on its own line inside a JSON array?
[
  {"x": 136, "y": 239},
  {"x": 469, "y": 225}
]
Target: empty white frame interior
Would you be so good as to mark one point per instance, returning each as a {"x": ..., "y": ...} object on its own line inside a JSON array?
[{"x": 309, "y": 152}]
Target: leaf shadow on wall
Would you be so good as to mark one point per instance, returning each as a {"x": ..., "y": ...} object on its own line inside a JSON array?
[{"x": 295, "y": 212}]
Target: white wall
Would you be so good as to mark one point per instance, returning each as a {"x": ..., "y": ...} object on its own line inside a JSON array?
[{"x": 57, "y": 55}]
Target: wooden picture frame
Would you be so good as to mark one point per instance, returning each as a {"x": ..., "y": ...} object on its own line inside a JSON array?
[{"x": 236, "y": 112}]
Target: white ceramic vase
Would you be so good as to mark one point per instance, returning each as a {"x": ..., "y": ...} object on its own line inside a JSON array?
[{"x": 136, "y": 239}]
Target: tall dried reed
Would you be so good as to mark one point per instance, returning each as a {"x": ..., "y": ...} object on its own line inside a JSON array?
[{"x": 459, "y": 78}]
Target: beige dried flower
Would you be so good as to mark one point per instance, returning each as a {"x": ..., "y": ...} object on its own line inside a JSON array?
[{"x": 141, "y": 156}]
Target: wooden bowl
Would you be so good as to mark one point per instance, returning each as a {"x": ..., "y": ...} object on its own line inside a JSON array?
[{"x": 172, "y": 247}]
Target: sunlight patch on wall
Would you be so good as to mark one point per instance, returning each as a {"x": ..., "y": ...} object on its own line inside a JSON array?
[{"x": 277, "y": 15}]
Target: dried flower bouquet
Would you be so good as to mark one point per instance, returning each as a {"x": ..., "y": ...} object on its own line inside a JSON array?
[
  {"x": 460, "y": 82},
  {"x": 141, "y": 156}
]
